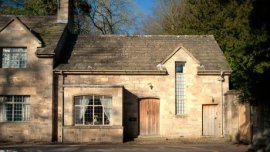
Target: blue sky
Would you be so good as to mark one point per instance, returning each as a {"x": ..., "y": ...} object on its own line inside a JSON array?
[{"x": 146, "y": 6}]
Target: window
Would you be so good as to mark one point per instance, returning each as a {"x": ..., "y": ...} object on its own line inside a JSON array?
[
  {"x": 179, "y": 89},
  {"x": 14, "y": 57},
  {"x": 93, "y": 110},
  {"x": 14, "y": 108}
]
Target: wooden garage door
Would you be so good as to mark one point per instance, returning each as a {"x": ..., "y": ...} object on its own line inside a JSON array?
[
  {"x": 149, "y": 117},
  {"x": 210, "y": 122}
]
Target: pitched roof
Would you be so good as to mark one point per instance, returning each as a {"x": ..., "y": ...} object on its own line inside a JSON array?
[
  {"x": 44, "y": 28},
  {"x": 140, "y": 53}
]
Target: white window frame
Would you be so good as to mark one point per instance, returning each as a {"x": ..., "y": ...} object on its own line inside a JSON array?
[
  {"x": 20, "y": 106},
  {"x": 14, "y": 57},
  {"x": 83, "y": 108},
  {"x": 179, "y": 88}
]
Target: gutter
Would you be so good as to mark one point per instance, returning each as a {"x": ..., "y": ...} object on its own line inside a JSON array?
[
  {"x": 134, "y": 72},
  {"x": 91, "y": 86},
  {"x": 45, "y": 55},
  {"x": 214, "y": 72},
  {"x": 111, "y": 72}
]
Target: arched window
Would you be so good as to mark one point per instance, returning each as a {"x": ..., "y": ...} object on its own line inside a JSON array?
[{"x": 93, "y": 110}]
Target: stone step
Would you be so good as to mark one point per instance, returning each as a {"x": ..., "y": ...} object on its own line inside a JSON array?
[
  {"x": 150, "y": 138},
  {"x": 180, "y": 140}
]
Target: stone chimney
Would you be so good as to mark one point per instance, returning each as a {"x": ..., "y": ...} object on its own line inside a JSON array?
[{"x": 63, "y": 11}]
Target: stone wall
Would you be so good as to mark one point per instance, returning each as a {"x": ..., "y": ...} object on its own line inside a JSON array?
[
  {"x": 237, "y": 118},
  {"x": 87, "y": 134},
  {"x": 35, "y": 81},
  {"x": 199, "y": 90},
  {"x": 80, "y": 134}
]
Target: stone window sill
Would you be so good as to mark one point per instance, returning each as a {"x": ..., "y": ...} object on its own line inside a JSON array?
[
  {"x": 92, "y": 127},
  {"x": 181, "y": 116}
]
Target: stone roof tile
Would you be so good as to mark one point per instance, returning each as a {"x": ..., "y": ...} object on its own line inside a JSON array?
[
  {"x": 111, "y": 52},
  {"x": 44, "y": 28}
]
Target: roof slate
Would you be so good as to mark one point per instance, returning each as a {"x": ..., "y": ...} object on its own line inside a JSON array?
[
  {"x": 44, "y": 28},
  {"x": 139, "y": 53}
]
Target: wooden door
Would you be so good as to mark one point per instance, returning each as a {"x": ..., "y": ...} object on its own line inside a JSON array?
[
  {"x": 149, "y": 117},
  {"x": 210, "y": 122}
]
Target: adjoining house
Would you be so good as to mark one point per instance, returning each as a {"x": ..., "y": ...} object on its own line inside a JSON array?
[{"x": 57, "y": 86}]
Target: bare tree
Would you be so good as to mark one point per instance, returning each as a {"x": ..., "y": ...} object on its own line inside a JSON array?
[
  {"x": 104, "y": 16},
  {"x": 164, "y": 16},
  {"x": 111, "y": 16}
]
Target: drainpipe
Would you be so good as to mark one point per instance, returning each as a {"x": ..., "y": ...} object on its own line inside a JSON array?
[
  {"x": 221, "y": 79},
  {"x": 62, "y": 106}
]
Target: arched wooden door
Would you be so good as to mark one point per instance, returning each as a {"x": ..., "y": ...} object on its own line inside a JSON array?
[{"x": 149, "y": 117}]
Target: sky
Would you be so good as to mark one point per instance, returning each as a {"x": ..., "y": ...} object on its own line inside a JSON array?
[{"x": 146, "y": 6}]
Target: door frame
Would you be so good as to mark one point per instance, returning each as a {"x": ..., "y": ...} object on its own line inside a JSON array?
[{"x": 139, "y": 114}]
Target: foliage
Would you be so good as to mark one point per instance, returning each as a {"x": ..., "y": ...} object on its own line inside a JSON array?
[
  {"x": 241, "y": 28},
  {"x": 260, "y": 142},
  {"x": 30, "y": 7}
]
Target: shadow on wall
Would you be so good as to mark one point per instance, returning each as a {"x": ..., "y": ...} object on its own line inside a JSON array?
[
  {"x": 65, "y": 47},
  {"x": 130, "y": 116}
]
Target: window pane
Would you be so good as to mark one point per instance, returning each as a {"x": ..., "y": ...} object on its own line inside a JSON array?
[
  {"x": 18, "y": 99},
  {"x": 97, "y": 100},
  {"x": 78, "y": 115},
  {"x": 8, "y": 109},
  {"x": 179, "y": 68},
  {"x": 17, "y": 112},
  {"x": 26, "y": 112},
  {"x": 14, "y": 108},
  {"x": 180, "y": 89},
  {"x": 2, "y": 100},
  {"x": 88, "y": 115},
  {"x": 2, "y": 113},
  {"x": 107, "y": 106},
  {"x": 5, "y": 58},
  {"x": 8, "y": 99},
  {"x": 14, "y": 58},
  {"x": 78, "y": 100},
  {"x": 93, "y": 110},
  {"x": 88, "y": 100},
  {"x": 98, "y": 113}
]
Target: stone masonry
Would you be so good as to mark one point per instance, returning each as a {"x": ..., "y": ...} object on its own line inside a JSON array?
[
  {"x": 35, "y": 81},
  {"x": 199, "y": 90}
]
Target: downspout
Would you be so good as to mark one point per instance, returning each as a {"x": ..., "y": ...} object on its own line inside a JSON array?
[
  {"x": 62, "y": 106},
  {"x": 221, "y": 79}
]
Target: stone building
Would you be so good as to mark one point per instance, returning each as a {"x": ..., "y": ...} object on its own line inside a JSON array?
[{"x": 56, "y": 86}]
